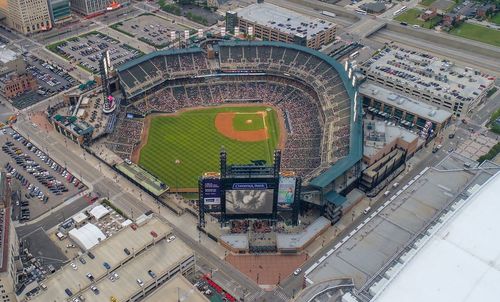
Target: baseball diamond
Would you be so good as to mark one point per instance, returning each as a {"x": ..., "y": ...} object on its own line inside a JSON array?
[{"x": 178, "y": 148}]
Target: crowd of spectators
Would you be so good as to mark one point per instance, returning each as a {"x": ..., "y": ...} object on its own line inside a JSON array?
[
  {"x": 126, "y": 135},
  {"x": 239, "y": 226},
  {"x": 261, "y": 226},
  {"x": 315, "y": 103}
]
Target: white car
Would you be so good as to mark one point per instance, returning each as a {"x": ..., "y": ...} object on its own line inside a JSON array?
[
  {"x": 74, "y": 266},
  {"x": 297, "y": 271},
  {"x": 139, "y": 281},
  {"x": 171, "y": 238}
]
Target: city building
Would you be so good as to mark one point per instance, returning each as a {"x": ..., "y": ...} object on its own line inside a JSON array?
[
  {"x": 373, "y": 7},
  {"x": 90, "y": 8},
  {"x": 407, "y": 111},
  {"x": 60, "y": 11},
  {"x": 11, "y": 61},
  {"x": 28, "y": 17},
  {"x": 427, "y": 78},
  {"x": 273, "y": 23},
  {"x": 428, "y": 14},
  {"x": 12, "y": 85},
  {"x": 380, "y": 139},
  {"x": 77, "y": 130},
  {"x": 9, "y": 245}
]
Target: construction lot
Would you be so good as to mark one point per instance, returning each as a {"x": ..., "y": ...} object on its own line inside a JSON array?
[
  {"x": 86, "y": 50},
  {"x": 150, "y": 29}
]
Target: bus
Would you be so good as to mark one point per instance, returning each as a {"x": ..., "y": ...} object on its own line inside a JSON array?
[
  {"x": 329, "y": 14},
  {"x": 399, "y": 11},
  {"x": 354, "y": 55}
]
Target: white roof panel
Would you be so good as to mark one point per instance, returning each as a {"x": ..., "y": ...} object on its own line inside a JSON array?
[{"x": 461, "y": 262}]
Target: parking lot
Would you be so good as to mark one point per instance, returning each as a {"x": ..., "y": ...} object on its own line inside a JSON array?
[
  {"x": 51, "y": 79},
  {"x": 43, "y": 184},
  {"x": 86, "y": 50},
  {"x": 150, "y": 29}
]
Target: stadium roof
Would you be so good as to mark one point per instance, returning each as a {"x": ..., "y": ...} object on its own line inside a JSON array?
[
  {"x": 144, "y": 58},
  {"x": 461, "y": 261}
]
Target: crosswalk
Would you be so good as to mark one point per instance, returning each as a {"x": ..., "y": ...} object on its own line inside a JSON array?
[
  {"x": 281, "y": 294},
  {"x": 254, "y": 296}
]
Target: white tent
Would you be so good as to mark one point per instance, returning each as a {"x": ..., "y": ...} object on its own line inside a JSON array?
[
  {"x": 87, "y": 236},
  {"x": 99, "y": 211},
  {"x": 79, "y": 218}
]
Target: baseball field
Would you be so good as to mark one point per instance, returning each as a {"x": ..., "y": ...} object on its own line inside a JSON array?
[{"x": 178, "y": 148}]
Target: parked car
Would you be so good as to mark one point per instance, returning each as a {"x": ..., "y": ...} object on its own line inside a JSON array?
[{"x": 152, "y": 274}]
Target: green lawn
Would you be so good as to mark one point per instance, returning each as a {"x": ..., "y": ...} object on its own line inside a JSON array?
[
  {"x": 193, "y": 139},
  {"x": 427, "y": 2},
  {"x": 478, "y": 33},
  {"x": 495, "y": 19},
  {"x": 240, "y": 121},
  {"x": 411, "y": 17}
]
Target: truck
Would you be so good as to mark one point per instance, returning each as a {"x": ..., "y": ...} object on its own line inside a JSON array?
[{"x": 329, "y": 14}]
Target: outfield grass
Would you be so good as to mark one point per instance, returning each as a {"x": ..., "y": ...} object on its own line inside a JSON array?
[
  {"x": 411, "y": 17},
  {"x": 193, "y": 139},
  {"x": 478, "y": 33},
  {"x": 240, "y": 122}
]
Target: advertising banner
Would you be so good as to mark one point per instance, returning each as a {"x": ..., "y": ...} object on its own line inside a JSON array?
[
  {"x": 211, "y": 191},
  {"x": 286, "y": 191}
]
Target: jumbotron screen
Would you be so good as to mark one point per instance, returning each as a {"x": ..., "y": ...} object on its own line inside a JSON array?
[{"x": 249, "y": 201}]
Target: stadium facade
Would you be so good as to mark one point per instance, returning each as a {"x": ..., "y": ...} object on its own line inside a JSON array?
[{"x": 316, "y": 94}]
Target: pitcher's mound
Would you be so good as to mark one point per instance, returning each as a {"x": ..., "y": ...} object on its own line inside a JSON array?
[{"x": 248, "y": 121}]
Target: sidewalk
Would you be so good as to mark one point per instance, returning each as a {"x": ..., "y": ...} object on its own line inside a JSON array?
[{"x": 186, "y": 222}]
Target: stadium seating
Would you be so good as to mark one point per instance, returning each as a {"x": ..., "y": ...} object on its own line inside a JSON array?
[{"x": 314, "y": 103}]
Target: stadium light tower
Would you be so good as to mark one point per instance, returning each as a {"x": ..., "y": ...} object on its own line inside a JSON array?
[{"x": 177, "y": 162}]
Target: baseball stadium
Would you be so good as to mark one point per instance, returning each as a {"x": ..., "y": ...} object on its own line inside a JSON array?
[{"x": 182, "y": 106}]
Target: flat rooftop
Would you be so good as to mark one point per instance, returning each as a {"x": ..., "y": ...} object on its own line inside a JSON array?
[
  {"x": 460, "y": 261},
  {"x": 364, "y": 254},
  {"x": 7, "y": 55},
  {"x": 111, "y": 251},
  {"x": 382, "y": 133},
  {"x": 160, "y": 259},
  {"x": 178, "y": 285},
  {"x": 396, "y": 100},
  {"x": 284, "y": 20},
  {"x": 432, "y": 75}
]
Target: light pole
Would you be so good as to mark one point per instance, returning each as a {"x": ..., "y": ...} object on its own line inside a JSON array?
[{"x": 177, "y": 162}]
